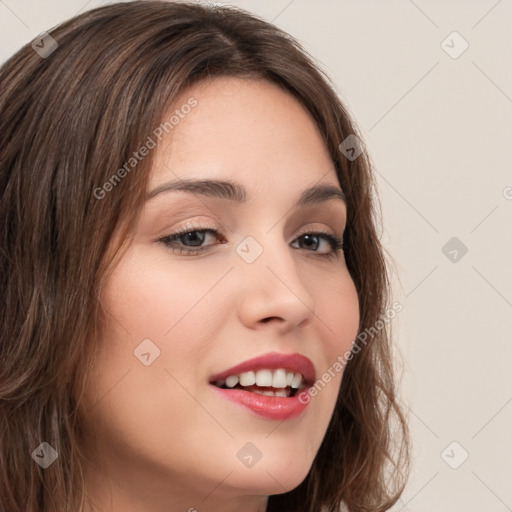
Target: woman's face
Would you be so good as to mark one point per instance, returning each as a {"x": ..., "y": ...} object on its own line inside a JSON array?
[{"x": 187, "y": 311}]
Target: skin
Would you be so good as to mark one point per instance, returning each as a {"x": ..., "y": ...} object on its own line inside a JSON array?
[{"x": 161, "y": 439}]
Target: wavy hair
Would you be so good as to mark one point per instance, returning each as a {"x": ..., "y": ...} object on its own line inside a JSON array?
[{"x": 68, "y": 119}]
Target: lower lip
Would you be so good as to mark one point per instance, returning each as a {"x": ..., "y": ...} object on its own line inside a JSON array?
[{"x": 271, "y": 407}]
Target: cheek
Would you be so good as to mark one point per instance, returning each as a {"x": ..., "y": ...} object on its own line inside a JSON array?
[
  {"x": 151, "y": 300},
  {"x": 338, "y": 319},
  {"x": 148, "y": 309},
  {"x": 157, "y": 312},
  {"x": 338, "y": 316},
  {"x": 144, "y": 407}
]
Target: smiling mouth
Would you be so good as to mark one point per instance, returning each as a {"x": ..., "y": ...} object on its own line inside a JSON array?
[{"x": 280, "y": 382}]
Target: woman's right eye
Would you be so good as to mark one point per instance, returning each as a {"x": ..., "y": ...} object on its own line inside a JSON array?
[{"x": 179, "y": 239}]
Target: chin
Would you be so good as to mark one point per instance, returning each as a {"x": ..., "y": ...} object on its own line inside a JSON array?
[{"x": 275, "y": 476}]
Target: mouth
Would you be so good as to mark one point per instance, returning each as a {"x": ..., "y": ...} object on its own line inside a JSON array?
[
  {"x": 280, "y": 382},
  {"x": 269, "y": 385}
]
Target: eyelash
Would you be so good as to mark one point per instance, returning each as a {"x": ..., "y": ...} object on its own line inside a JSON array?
[{"x": 169, "y": 241}]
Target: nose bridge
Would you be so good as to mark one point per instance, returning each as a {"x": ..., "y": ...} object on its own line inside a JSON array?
[{"x": 272, "y": 285}]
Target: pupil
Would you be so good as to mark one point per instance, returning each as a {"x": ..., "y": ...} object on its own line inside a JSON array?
[
  {"x": 310, "y": 238},
  {"x": 191, "y": 235}
]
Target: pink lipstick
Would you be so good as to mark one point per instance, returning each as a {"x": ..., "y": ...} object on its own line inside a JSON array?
[{"x": 270, "y": 385}]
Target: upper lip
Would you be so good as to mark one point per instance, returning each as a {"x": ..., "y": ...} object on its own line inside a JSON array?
[{"x": 272, "y": 361}]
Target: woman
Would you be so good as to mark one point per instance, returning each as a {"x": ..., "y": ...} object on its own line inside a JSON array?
[{"x": 191, "y": 269}]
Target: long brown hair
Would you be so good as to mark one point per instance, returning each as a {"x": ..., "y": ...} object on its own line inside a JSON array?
[{"x": 69, "y": 120}]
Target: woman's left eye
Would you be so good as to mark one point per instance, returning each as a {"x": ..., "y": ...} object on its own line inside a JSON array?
[{"x": 178, "y": 241}]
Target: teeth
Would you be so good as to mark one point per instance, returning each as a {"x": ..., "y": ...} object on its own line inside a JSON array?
[
  {"x": 269, "y": 392},
  {"x": 297, "y": 379},
  {"x": 264, "y": 378},
  {"x": 278, "y": 379},
  {"x": 232, "y": 381},
  {"x": 247, "y": 379}
]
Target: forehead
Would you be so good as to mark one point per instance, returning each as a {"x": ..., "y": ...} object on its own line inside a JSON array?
[{"x": 249, "y": 131}]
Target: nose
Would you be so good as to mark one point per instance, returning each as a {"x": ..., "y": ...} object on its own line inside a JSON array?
[{"x": 272, "y": 291}]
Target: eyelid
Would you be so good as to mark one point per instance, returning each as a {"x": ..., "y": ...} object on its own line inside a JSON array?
[
  {"x": 309, "y": 229},
  {"x": 189, "y": 226}
]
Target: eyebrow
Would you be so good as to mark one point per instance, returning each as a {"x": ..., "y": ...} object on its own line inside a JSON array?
[{"x": 236, "y": 192}]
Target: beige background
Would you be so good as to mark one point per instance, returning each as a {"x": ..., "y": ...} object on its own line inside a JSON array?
[{"x": 439, "y": 130}]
